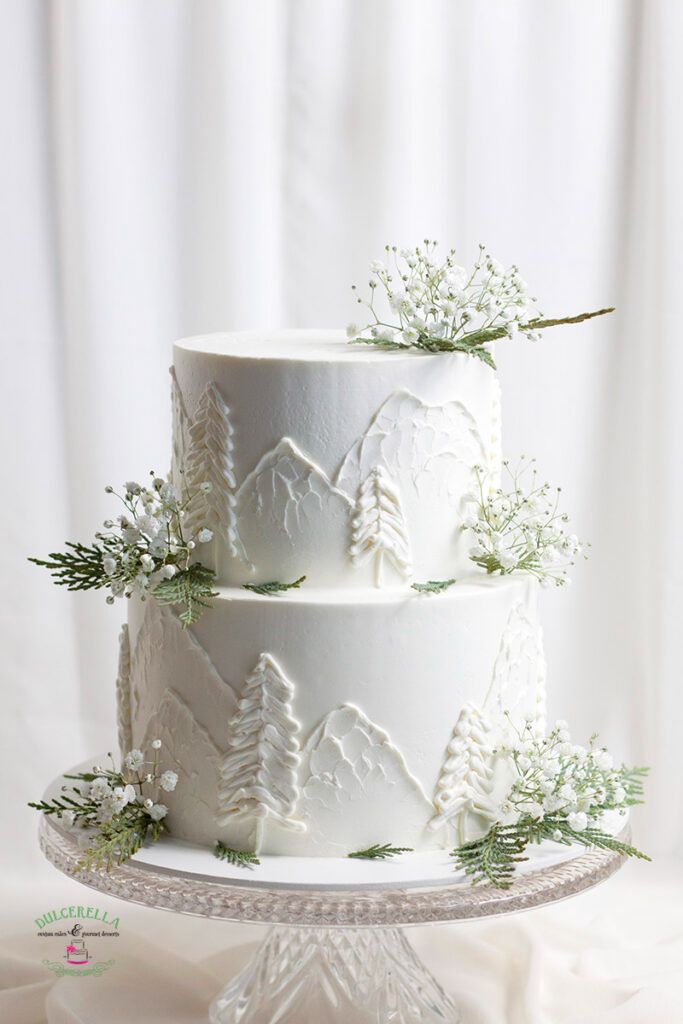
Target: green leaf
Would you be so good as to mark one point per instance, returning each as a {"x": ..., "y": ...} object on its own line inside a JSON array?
[
  {"x": 80, "y": 568},
  {"x": 379, "y": 852},
  {"x": 274, "y": 587},
  {"x": 240, "y": 858},
  {"x": 191, "y": 588},
  {"x": 433, "y": 586}
]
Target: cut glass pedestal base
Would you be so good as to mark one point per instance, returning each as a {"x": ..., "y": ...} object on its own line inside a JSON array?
[
  {"x": 336, "y": 953},
  {"x": 335, "y": 976}
]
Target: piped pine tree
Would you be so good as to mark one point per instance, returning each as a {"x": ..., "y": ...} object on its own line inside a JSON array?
[
  {"x": 379, "y": 528},
  {"x": 465, "y": 784},
  {"x": 259, "y": 772},
  {"x": 210, "y": 460}
]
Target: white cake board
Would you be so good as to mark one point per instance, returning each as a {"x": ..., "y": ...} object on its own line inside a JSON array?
[{"x": 337, "y": 953}]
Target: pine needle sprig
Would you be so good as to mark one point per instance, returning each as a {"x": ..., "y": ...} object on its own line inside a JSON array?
[
  {"x": 238, "y": 858},
  {"x": 273, "y": 587},
  {"x": 79, "y": 568},
  {"x": 192, "y": 589},
  {"x": 433, "y": 586},
  {"x": 379, "y": 852}
]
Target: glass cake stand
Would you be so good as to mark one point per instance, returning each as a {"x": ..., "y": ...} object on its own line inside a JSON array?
[{"x": 335, "y": 951}]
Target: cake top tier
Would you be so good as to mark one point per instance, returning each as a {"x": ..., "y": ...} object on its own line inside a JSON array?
[
  {"x": 311, "y": 345},
  {"x": 342, "y": 463}
]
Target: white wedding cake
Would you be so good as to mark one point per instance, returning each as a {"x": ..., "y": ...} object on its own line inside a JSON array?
[{"x": 352, "y": 708}]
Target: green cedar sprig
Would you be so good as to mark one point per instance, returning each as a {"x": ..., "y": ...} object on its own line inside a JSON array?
[
  {"x": 433, "y": 586},
  {"x": 273, "y": 587},
  {"x": 379, "y": 852},
  {"x": 191, "y": 588},
  {"x": 493, "y": 858},
  {"x": 239, "y": 858}
]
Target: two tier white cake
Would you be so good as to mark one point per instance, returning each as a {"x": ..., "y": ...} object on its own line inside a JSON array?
[{"x": 353, "y": 709}]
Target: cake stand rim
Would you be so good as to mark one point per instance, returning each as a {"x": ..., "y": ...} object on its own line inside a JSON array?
[{"x": 367, "y": 905}]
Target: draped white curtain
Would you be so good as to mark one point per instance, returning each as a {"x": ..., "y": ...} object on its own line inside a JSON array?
[{"x": 181, "y": 166}]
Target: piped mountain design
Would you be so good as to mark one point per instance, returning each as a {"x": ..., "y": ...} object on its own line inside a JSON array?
[
  {"x": 423, "y": 446},
  {"x": 519, "y": 673},
  {"x": 291, "y": 519},
  {"x": 164, "y": 650},
  {"x": 428, "y": 452},
  {"x": 352, "y": 773},
  {"x": 188, "y": 750}
]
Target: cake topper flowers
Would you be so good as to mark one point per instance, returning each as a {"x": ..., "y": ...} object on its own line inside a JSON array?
[
  {"x": 439, "y": 306},
  {"x": 145, "y": 550}
]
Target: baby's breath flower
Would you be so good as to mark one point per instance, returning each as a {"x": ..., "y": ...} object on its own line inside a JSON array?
[
  {"x": 168, "y": 781},
  {"x": 521, "y": 529},
  {"x": 134, "y": 760}
]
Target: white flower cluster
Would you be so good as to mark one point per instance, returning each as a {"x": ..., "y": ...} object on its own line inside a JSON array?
[
  {"x": 146, "y": 544},
  {"x": 521, "y": 529},
  {"x": 107, "y": 793},
  {"x": 562, "y": 781},
  {"x": 435, "y": 302}
]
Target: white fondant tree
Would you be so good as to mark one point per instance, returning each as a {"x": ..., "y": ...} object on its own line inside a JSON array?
[
  {"x": 465, "y": 784},
  {"x": 210, "y": 460},
  {"x": 259, "y": 772},
  {"x": 379, "y": 528},
  {"x": 123, "y": 703}
]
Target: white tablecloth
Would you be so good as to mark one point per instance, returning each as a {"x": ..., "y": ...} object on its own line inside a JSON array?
[{"x": 610, "y": 956}]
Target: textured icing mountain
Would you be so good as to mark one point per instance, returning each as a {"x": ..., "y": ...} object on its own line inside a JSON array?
[
  {"x": 351, "y": 771},
  {"x": 291, "y": 520},
  {"x": 518, "y": 682},
  {"x": 424, "y": 446},
  {"x": 163, "y": 650},
  {"x": 428, "y": 451},
  {"x": 188, "y": 750}
]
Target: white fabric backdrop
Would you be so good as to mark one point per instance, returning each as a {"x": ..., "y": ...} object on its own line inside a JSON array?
[{"x": 173, "y": 167}]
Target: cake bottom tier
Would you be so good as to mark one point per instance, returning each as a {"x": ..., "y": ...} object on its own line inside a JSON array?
[{"x": 317, "y": 725}]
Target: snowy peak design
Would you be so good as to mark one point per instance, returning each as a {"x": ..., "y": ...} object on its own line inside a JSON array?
[
  {"x": 352, "y": 770},
  {"x": 423, "y": 445},
  {"x": 463, "y": 796},
  {"x": 163, "y": 650},
  {"x": 259, "y": 772},
  {"x": 188, "y": 750},
  {"x": 519, "y": 674},
  {"x": 291, "y": 518}
]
